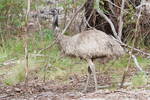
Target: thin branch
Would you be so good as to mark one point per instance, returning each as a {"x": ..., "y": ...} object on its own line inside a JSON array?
[
  {"x": 46, "y": 47},
  {"x": 41, "y": 55},
  {"x": 42, "y": 42},
  {"x": 108, "y": 86},
  {"x": 26, "y": 48},
  {"x": 87, "y": 21},
  {"x": 56, "y": 68},
  {"x": 125, "y": 45},
  {"x": 7, "y": 63},
  {"x": 81, "y": 7},
  {"x": 137, "y": 65},
  {"x": 116, "y": 5}
]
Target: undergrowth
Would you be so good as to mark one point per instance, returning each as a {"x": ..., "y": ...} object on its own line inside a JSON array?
[{"x": 60, "y": 68}]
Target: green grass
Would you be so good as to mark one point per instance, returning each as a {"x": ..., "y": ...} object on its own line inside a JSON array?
[
  {"x": 14, "y": 74},
  {"x": 139, "y": 80}
]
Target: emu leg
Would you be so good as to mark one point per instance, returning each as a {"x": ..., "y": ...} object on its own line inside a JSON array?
[
  {"x": 92, "y": 68},
  {"x": 85, "y": 89}
]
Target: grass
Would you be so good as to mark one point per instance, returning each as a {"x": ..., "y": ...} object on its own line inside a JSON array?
[
  {"x": 15, "y": 74},
  {"x": 61, "y": 69},
  {"x": 139, "y": 80}
]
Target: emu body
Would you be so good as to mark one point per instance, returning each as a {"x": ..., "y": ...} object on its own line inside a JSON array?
[{"x": 87, "y": 45}]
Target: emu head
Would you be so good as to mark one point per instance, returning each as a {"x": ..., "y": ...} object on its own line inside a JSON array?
[{"x": 54, "y": 12}]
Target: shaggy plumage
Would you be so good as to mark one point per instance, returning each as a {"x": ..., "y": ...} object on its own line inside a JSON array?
[{"x": 87, "y": 45}]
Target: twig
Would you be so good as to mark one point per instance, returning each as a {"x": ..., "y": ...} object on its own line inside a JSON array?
[
  {"x": 119, "y": 7},
  {"x": 46, "y": 47},
  {"x": 55, "y": 68},
  {"x": 110, "y": 66},
  {"x": 87, "y": 20},
  {"x": 4, "y": 96},
  {"x": 5, "y": 64},
  {"x": 42, "y": 42},
  {"x": 137, "y": 65},
  {"x": 107, "y": 86},
  {"x": 57, "y": 59},
  {"x": 12, "y": 59},
  {"x": 44, "y": 94},
  {"x": 41, "y": 55}
]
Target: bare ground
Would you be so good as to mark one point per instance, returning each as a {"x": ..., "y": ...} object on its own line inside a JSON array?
[{"x": 71, "y": 89}]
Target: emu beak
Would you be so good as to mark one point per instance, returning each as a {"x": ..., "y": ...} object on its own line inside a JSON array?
[{"x": 50, "y": 13}]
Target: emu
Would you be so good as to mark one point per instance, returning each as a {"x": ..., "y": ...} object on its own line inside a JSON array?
[{"x": 87, "y": 45}]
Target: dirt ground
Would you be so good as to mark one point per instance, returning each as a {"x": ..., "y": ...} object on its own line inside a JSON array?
[{"x": 71, "y": 90}]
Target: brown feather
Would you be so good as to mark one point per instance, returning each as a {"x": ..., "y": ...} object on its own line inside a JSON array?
[{"x": 88, "y": 44}]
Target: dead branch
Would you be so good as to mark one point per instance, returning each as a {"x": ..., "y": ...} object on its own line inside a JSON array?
[
  {"x": 87, "y": 21},
  {"x": 4, "y": 96},
  {"x": 108, "y": 86},
  {"x": 57, "y": 59},
  {"x": 26, "y": 47},
  {"x": 125, "y": 71},
  {"x": 44, "y": 94},
  {"x": 81, "y": 7},
  {"x": 120, "y": 20},
  {"x": 127, "y": 46},
  {"x": 116, "y": 6},
  {"x": 137, "y": 65},
  {"x": 40, "y": 55},
  {"x": 135, "y": 35},
  {"x": 49, "y": 65},
  {"x": 46, "y": 47},
  {"x": 6, "y": 64}
]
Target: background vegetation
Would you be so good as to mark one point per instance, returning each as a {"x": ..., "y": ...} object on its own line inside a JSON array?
[{"x": 12, "y": 50}]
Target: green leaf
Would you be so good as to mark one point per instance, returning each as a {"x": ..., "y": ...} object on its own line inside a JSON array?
[
  {"x": 1, "y": 6},
  {"x": 101, "y": 2},
  {"x": 96, "y": 6},
  {"x": 23, "y": 24}
]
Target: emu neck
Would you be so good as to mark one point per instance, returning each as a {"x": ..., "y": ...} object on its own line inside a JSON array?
[
  {"x": 57, "y": 34},
  {"x": 55, "y": 21}
]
